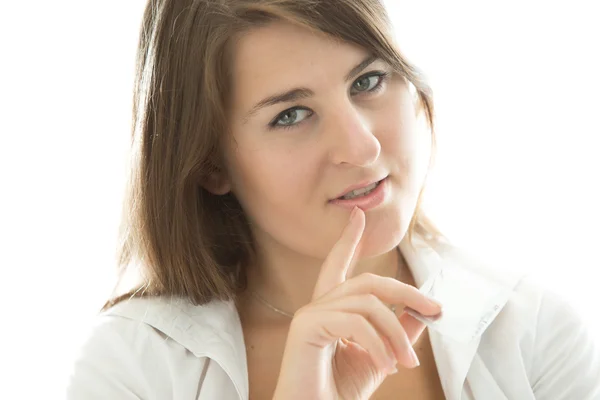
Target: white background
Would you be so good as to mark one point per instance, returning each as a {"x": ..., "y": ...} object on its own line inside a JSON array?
[{"x": 516, "y": 87}]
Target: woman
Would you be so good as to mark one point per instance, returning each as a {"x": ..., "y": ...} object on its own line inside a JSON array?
[{"x": 274, "y": 228}]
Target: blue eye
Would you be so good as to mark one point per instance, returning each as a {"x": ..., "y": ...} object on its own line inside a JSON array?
[
  {"x": 369, "y": 83},
  {"x": 290, "y": 117}
]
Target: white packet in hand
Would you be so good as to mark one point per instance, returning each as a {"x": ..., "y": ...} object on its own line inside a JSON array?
[{"x": 471, "y": 299}]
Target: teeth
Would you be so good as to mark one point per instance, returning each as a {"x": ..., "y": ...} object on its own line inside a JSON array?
[{"x": 360, "y": 192}]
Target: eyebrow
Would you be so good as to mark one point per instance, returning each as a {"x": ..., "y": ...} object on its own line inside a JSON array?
[{"x": 303, "y": 93}]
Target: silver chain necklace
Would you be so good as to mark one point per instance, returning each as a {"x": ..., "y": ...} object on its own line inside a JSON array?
[
  {"x": 289, "y": 315},
  {"x": 266, "y": 303}
]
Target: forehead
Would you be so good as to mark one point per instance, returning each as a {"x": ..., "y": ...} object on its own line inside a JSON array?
[{"x": 283, "y": 56}]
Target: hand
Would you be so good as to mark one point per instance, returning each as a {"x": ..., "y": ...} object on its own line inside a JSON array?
[{"x": 344, "y": 343}]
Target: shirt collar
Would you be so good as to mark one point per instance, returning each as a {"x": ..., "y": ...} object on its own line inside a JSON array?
[{"x": 212, "y": 330}]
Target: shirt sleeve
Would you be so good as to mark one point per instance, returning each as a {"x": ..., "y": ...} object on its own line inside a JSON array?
[
  {"x": 107, "y": 366},
  {"x": 566, "y": 362}
]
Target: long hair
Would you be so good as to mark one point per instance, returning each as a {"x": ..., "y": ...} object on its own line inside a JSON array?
[{"x": 176, "y": 238}]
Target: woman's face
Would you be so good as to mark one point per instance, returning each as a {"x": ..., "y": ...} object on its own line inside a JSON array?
[{"x": 309, "y": 118}]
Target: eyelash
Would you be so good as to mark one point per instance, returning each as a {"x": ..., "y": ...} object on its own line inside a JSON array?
[{"x": 383, "y": 78}]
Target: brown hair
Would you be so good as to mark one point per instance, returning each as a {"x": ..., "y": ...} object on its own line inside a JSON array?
[{"x": 177, "y": 237}]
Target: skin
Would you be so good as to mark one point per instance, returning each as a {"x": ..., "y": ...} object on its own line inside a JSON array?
[{"x": 284, "y": 163}]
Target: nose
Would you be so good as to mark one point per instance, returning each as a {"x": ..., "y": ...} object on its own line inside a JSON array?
[{"x": 351, "y": 136}]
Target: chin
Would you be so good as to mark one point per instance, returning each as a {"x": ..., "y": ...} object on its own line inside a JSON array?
[{"x": 383, "y": 232}]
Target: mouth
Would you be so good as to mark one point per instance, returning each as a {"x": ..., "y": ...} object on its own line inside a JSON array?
[
  {"x": 365, "y": 196},
  {"x": 360, "y": 192}
]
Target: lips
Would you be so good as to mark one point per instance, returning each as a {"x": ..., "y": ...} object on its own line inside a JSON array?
[
  {"x": 360, "y": 185},
  {"x": 367, "y": 201},
  {"x": 360, "y": 192}
]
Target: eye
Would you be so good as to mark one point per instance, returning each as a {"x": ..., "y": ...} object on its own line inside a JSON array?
[
  {"x": 290, "y": 117},
  {"x": 369, "y": 83}
]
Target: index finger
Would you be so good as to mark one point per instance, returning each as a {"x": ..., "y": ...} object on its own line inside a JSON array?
[{"x": 342, "y": 255}]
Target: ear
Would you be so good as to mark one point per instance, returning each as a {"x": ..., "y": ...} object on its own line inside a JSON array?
[{"x": 217, "y": 183}]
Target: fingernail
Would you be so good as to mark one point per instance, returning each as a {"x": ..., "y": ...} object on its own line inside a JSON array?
[
  {"x": 392, "y": 358},
  {"x": 392, "y": 369},
  {"x": 434, "y": 302},
  {"x": 415, "y": 360},
  {"x": 353, "y": 213}
]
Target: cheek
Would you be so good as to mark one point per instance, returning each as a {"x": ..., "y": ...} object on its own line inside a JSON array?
[
  {"x": 397, "y": 131},
  {"x": 405, "y": 142},
  {"x": 271, "y": 176},
  {"x": 276, "y": 189}
]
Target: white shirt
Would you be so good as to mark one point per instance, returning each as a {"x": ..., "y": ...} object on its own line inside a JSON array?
[{"x": 155, "y": 349}]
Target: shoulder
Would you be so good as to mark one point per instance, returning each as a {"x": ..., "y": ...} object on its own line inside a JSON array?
[
  {"x": 556, "y": 349},
  {"x": 540, "y": 313},
  {"x": 562, "y": 338},
  {"x": 529, "y": 304},
  {"x": 143, "y": 348}
]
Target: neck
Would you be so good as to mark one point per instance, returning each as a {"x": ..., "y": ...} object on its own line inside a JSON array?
[{"x": 286, "y": 279}]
